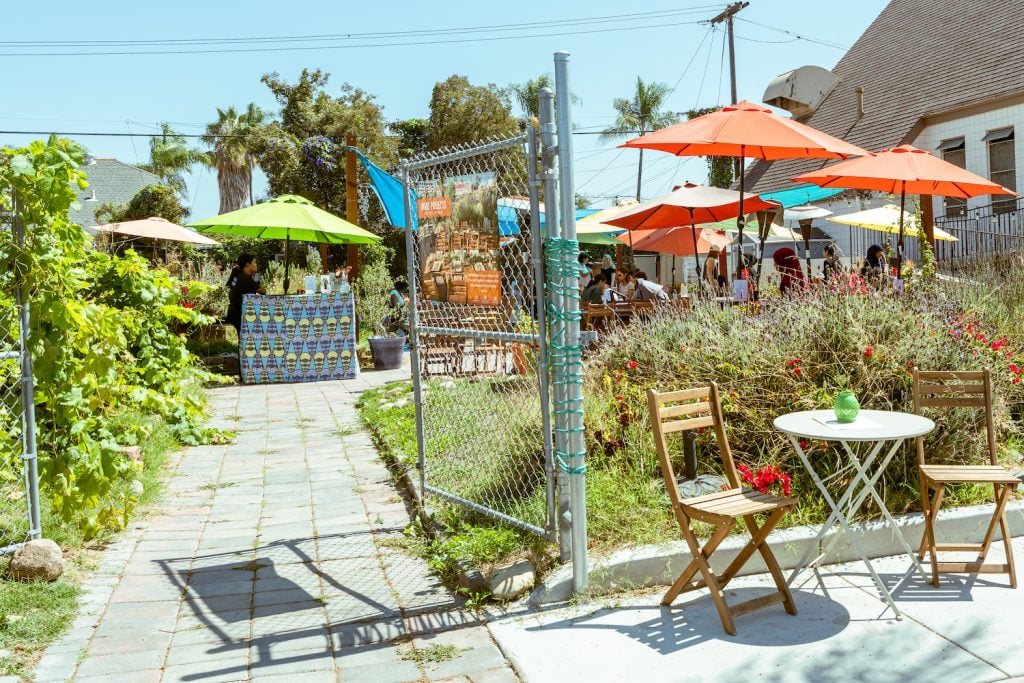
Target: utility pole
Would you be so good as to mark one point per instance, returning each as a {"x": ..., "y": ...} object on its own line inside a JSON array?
[{"x": 727, "y": 14}]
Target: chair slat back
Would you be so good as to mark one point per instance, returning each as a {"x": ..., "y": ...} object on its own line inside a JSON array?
[
  {"x": 698, "y": 408},
  {"x": 947, "y": 389}
]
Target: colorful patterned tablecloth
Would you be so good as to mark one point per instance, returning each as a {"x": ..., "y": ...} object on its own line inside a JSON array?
[{"x": 302, "y": 338}]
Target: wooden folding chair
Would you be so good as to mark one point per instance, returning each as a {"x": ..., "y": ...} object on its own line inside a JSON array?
[
  {"x": 599, "y": 317},
  {"x": 962, "y": 390},
  {"x": 677, "y": 411}
]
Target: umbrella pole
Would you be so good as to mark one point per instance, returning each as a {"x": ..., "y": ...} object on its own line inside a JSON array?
[
  {"x": 696, "y": 256},
  {"x": 741, "y": 219},
  {"x": 899, "y": 243},
  {"x": 287, "y": 260}
]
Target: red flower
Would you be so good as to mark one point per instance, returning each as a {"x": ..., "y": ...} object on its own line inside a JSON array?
[
  {"x": 1014, "y": 368},
  {"x": 632, "y": 365},
  {"x": 797, "y": 371},
  {"x": 619, "y": 398},
  {"x": 1016, "y": 380},
  {"x": 804, "y": 443},
  {"x": 188, "y": 305},
  {"x": 869, "y": 351},
  {"x": 793, "y": 362},
  {"x": 980, "y": 337}
]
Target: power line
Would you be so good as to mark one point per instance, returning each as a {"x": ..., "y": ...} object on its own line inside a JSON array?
[
  {"x": 376, "y": 35},
  {"x": 453, "y": 41},
  {"x": 798, "y": 36}
]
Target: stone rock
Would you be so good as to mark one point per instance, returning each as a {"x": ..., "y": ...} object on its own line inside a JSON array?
[
  {"x": 137, "y": 488},
  {"x": 508, "y": 583},
  {"x": 133, "y": 453},
  {"x": 39, "y": 559},
  {"x": 401, "y": 403}
]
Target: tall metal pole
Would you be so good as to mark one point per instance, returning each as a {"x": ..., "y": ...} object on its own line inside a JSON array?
[
  {"x": 549, "y": 180},
  {"x": 28, "y": 399},
  {"x": 574, "y": 370}
]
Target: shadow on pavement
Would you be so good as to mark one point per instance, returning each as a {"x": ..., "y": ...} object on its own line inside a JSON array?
[
  {"x": 298, "y": 600},
  {"x": 671, "y": 629}
]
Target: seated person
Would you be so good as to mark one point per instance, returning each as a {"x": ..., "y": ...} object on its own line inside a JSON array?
[
  {"x": 646, "y": 290},
  {"x": 594, "y": 294},
  {"x": 397, "y": 319}
]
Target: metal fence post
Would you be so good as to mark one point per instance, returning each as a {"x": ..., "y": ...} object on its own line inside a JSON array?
[
  {"x": 28, "y": 400},
  {"x": 532, "y": 148},
  {"x": 574, "y": 415},
  {"x": 414, "y": 354},
  {"x": 549, "y": 173}
]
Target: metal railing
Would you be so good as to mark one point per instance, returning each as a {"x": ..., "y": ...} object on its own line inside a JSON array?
[{"x": 982, "y": 232}]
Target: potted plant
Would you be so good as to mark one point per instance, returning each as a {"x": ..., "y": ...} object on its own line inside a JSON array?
[{"x": 373, "y": 289}]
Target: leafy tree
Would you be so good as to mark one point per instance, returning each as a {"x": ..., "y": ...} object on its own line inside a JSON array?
[
  {"x": 304, "y": 152},
  {"x": 153, "y": 200},
  {"x": 170, "y": 157},
  {"x": 639, "y": 116},
  {"x": 230, "y": 136},
  {"x": 412, "y": 136},
  {"x": 462, "y": 113},
  {"x": 720, "y": 169}
]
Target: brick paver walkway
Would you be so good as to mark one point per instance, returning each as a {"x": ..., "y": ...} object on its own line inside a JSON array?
[{"x": 269, "y": 560}]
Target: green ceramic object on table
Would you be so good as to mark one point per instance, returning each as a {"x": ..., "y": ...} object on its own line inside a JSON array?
[{"x": 846, "y": 407}]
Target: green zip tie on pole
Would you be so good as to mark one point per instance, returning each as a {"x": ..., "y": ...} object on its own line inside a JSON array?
[{"x": 565, "y": 360}]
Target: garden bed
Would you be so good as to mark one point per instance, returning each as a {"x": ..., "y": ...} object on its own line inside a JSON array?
[{"x": 794, "y": 355}]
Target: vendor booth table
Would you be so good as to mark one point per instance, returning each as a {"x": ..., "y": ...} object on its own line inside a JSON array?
[{"x": 301, "y": 338}]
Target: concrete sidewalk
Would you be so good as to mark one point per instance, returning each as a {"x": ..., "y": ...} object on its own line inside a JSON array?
[
  {"x": 967, "y": 630},
  {"x": 272, "y": 558}
]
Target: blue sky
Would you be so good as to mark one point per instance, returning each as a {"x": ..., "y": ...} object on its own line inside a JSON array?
[{"x": 118, "y": 93}]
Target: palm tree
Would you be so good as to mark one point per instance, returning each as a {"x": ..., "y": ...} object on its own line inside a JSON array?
[
  {"x": 527, "y": 95},
  {"x": 170, "y": 157},
  {"x": 230, "y": 137},
  {"x": 640, "y": 115}
]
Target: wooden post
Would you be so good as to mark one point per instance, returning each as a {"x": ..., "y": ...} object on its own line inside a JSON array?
[
  {"x": 352, "y": 204},
  {"x": 927, "y": 218}
]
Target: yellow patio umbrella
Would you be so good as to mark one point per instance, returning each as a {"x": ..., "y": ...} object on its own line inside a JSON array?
[{"x": 887, "y": 219}]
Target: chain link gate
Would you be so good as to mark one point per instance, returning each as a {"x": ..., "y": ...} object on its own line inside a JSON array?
[
  {"x": 19, "y": 486},
  {"x": 483, "y": 415}
]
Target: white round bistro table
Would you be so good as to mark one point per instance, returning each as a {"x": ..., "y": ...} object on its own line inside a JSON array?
[{"x": 877, "y": 427}]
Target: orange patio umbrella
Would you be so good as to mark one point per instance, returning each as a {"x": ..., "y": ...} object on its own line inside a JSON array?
[
  {"x": 691, "y": 205},
  {"x": 748, "y": 131},
  {"x": 904, "y": 169},
  {"x": 679, "y": 241}
]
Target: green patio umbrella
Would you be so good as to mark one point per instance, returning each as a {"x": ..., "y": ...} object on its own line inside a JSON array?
[{"x": 288, "y": 217}]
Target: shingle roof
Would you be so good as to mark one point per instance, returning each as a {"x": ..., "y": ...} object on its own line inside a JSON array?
[
  {"x": 111, "y": 181},
  {"x": 917, "y": 58}
]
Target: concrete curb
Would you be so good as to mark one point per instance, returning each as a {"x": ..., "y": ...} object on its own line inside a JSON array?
[{"x": 659, "y": 565}]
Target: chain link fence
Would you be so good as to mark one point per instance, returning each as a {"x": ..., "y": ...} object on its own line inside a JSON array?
[
  {"x": 19, "y": 493},
  {"x": 483, "y": 416}
]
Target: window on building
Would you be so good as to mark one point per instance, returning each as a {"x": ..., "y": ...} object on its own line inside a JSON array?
[
  {"x": 1002, "y": 166},
  {"x": 952, "y": 150}
]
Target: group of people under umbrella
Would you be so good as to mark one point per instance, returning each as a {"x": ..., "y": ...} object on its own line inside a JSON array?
[{"x": 676, "y": 223}]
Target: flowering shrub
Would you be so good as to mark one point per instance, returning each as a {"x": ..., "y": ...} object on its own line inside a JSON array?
[{"x": 797, "y": 355}]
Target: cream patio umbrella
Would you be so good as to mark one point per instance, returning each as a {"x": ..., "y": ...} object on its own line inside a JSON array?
[
  {"x": 887, "y": 219},
  {"x": 156, "y": 228}
]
